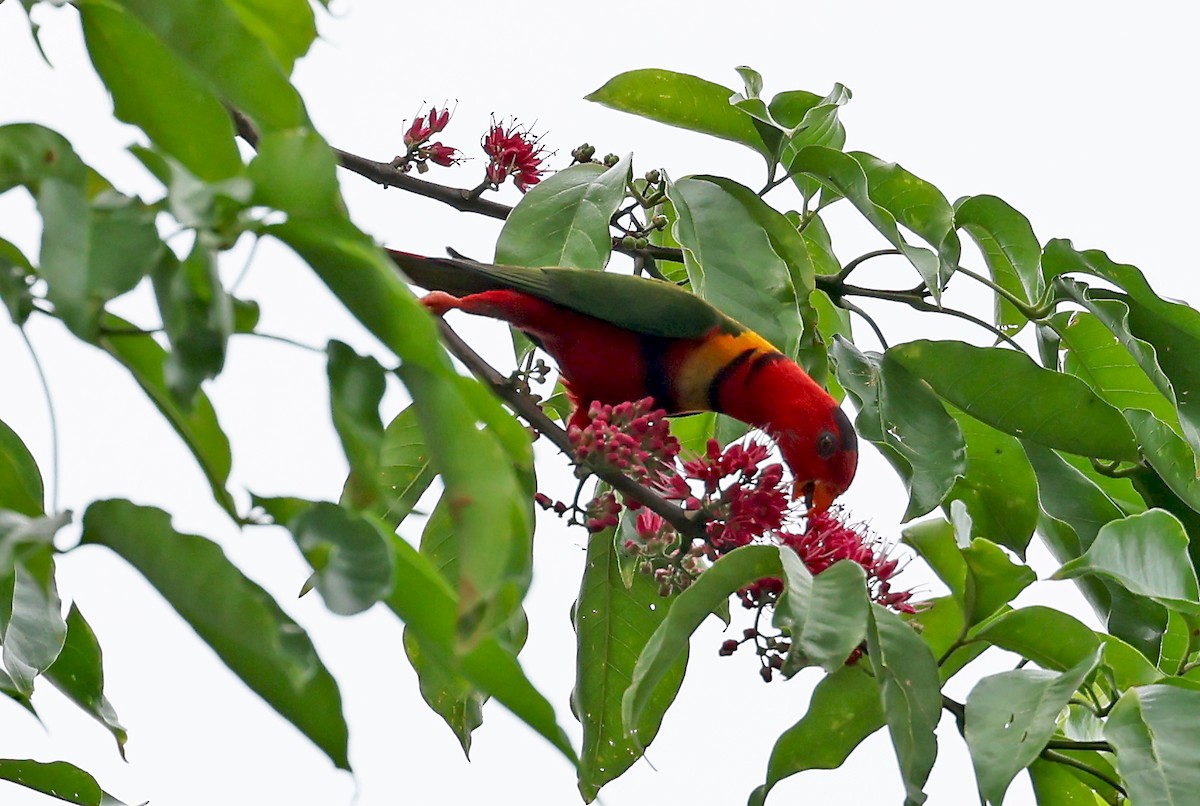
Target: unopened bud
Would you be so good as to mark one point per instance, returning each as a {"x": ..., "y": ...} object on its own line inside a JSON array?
[
  {"x": 654, "y": 176},
  {"x": 766, "y": 674},
  {"x": 610, "y": 160},
  {"x": 728, "y": 648}
]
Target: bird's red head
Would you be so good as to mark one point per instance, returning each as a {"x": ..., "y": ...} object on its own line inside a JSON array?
[{"x": 822, "y": 451}]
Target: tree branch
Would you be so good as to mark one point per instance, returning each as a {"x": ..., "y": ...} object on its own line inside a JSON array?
[{"x": 1059, "y": 758}]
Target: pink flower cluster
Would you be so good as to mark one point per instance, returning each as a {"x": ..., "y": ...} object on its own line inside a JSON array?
[
  {"x": 420, "y": 150},
  {"x": 513, "y": 152}
]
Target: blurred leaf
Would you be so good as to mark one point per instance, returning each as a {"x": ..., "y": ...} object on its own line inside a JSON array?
[
  {"x": 1011, "y": 716},
  {"x": 845, "y": 709},
  {"x": 286, "y": 27},
  {"x": 564, "y": 220},
  {"x": 613, "y": 625},
  {"x": 197, "y": 316},
  {"x": 669, "y": 642},
  {"x": 694, "y": 431},
  {"x": 78, "y": 672},
  {"x": 404, "y": 467},
  {"x": 153, "y": 89},
  {"x": 356, "y": 387},
  {"x": 1010, "y": 250},
  {"x": 848, "y": 177},
  {"x": 1154, "y": 730},
  {"x": 1048, "y": 637},
  {"x": 240, "y": 621},
  {"x": 912, "y": 696},
  {"x": 999, "y": 487},
  {"x": 1147, "y": 555},
  {"x": 681, "y": 100},
  {"x": 16, "y": 275},
  {"x": 899, "y": 412},
  {"x": 825, "y": 616},
  {"x": 1008, "y": 391},
  {"x": 57, "y": 779},
  {"x": 20, "y": 480},
  {"x": 447, "y": 693},
  {"x": 349, "y": 554},
  {"x": 33, "y": 628},
  {"x": 199, "y": 429},
  {"x": 743, "y": 257}
]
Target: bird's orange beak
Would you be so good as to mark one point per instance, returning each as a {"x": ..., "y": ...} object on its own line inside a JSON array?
[{"x": 818, "y": 495}]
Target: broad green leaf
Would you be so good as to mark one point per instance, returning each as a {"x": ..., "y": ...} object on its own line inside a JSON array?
[
  {"x": 238, "y": 619},
  {"x": 564, "y": 220},
  {"x": 1056, "y": 785},
  {"x": 999, "y": 487},
  {"x": 911, "y": 693},
  {"x": 694, "y": 431},
  {"x": 295, "y": 171},
  {"x": 825, "y": 616},
  {"x": 940, "y": 625},
  {"x": 286, "y": 27},
  {"x": 846, "y": 175},
  {"x": 404, "y": 467},
  {"x": 669, "y": 642},
  {"x": 20, "y": 480},
  {"x": 1175, "y": 644},
  {"x": 217, "y": 210},
  {"x": 1010, "y": 250},
  {"x": 743, "y": 257},
  {"x": 613, "y": 624},
  {"x": 1127, "y": 664},
  {"x": 1069, "y": 497},
  {"x": 78, "y": 672},
  {"x": 1147, "y": 555},
  {"x": 351, "y": 561},
  {"x": 445, "y": 691},
  {"x": 1008, "y": 391},
  {"x": 16, "y": 276},
  {"x": 681, "y": 100},
  {"x": 1048, "y": 637},
  {"x": 198, "y": 427},
  {"x": 1168, "y": 454},
  {"x": 208, "y": 41},
  {"x": 1011, "y": 716},
  {"x": 356, "y": 387},
  {"x": 197, "y": 316},
  {"x": 899, "y": 413},
  {"x": 425, "y": 602},
  {"x": 808, "y": 119},
  {"x": 1155, "y": 730},
  {"x": 58, "y": 779},
  {"x": 1105, "y": 364},
  {"x": 845, "y": 709},
  {"x": 153, "y": 89},
  {"x": 33, "y": 626}
]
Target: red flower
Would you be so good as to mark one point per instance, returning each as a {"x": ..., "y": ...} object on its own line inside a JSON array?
[
  {"x": 441, "y": 155},
  {"x": 513, "y": 152},
  {"x": 422, "y": 129}
]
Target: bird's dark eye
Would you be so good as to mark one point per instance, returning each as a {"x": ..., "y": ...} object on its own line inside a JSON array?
[{"x": 826, "y": 444}]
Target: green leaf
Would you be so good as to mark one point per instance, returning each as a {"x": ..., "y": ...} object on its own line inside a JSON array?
[
  {"x": 405, "y": 471},
  {"x": 1056, "y": 785},
  {"x": 240, "y": 621},
  {"x": 20, "y": 480},
  {"x": 1168, "y": 454},
  {"x": 911, "y": 693},
  {"x": 197, "y": 317},
  {"x": 1154, "y": 730},
  {"x": 154, "y": 90},
  {"x": 614, "y": 623},
  {"x": 1008, "y": 391},
  {"x": 33, "y": 626},
  {"x": 901, "y": 415},
  {"x": 825, "y": 616},
  {"x": 1010, "y": 250},
  {"x": 1147, "y": 555},
  {"x": 356, "y": 387},
  {"x": 450, "y": 695},
  {"x": 1128, "y": 665},
  {"x": 1048, "y": 637},
  {"x": 809, "y": 120},
  {"x": 681, "y": 100},
  {"x": 57, "y": 779},
  {"x": 743, "y": 257},
  {"x": 564, "y": 220},
  {"x": 1012, "y": 715},
  {"x": 198, "y": 427},
  {"x": 845, "y": 709},
  {"x": 16, "y": 276},
  {"x": 78, "y": 672},
  {"x": 669, "y": 642},
  {"x": 286, "y": 27},
  {"x": 999, "y": 487},
  {"x": 848, "y": 177},
  {"x": 349, "y": 554}
]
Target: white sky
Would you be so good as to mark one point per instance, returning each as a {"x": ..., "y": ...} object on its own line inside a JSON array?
[{"x": 1082, "y": 115}]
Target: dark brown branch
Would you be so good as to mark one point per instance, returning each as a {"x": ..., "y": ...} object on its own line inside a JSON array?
[
  {"x": 384, "y": 173},
  {"x": 529, "y": 410}
]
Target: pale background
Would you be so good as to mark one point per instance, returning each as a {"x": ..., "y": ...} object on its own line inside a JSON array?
[{"x": 1082, "y": 115}]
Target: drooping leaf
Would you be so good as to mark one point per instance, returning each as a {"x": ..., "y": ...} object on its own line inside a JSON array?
[
  {"x": 743, "y": 257},
  {"x": 845, "y": 709},
  {"x": 20, "y": 480},
  {"x": 613, "y": 624},
  {"x": 237, "y": 618},
  {"x": 1168, "y": 454},
  {"x": 808, "y": 119},
  {"x": 1011, "y": 252},
  {"x": 58, "y": 779},
  {"x": 33, "y": 628},
  {"x": 825, "y": 616},
  {"x": 356, "y": 387},
  {"x": 1057, "y": 785},
  {"x": 1048, "y": 637},
  {"x": 405, "y": 471},
  {"x": 16, "y": 276},
  {"x": 564, "y": 220},
  {"x": 1008, "y": 391},
  {"x": 1154, "y": 730},
  {"x": 1011, "y": 715},
  {"x": 78, "y": 672},
  {"x": 351, "y": 560}
]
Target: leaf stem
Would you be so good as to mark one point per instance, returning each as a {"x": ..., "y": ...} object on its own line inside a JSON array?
[
  {"x": 861, "y": 259},
  {"x": 850, "y": 306},
  {"x": 50, "y": 413},
  {"x": 1059, "y": 758}
]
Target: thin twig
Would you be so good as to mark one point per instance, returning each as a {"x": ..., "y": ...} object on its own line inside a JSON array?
[
  {"x": 960, "y": 713},
  {"x": 861, "y": 259},
  {"x": 1067, "y": 744},
  {"x": 850, "y": 306},
  {"x": 1059, "y": 758},
  {"x": 54, "y": 451}
]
